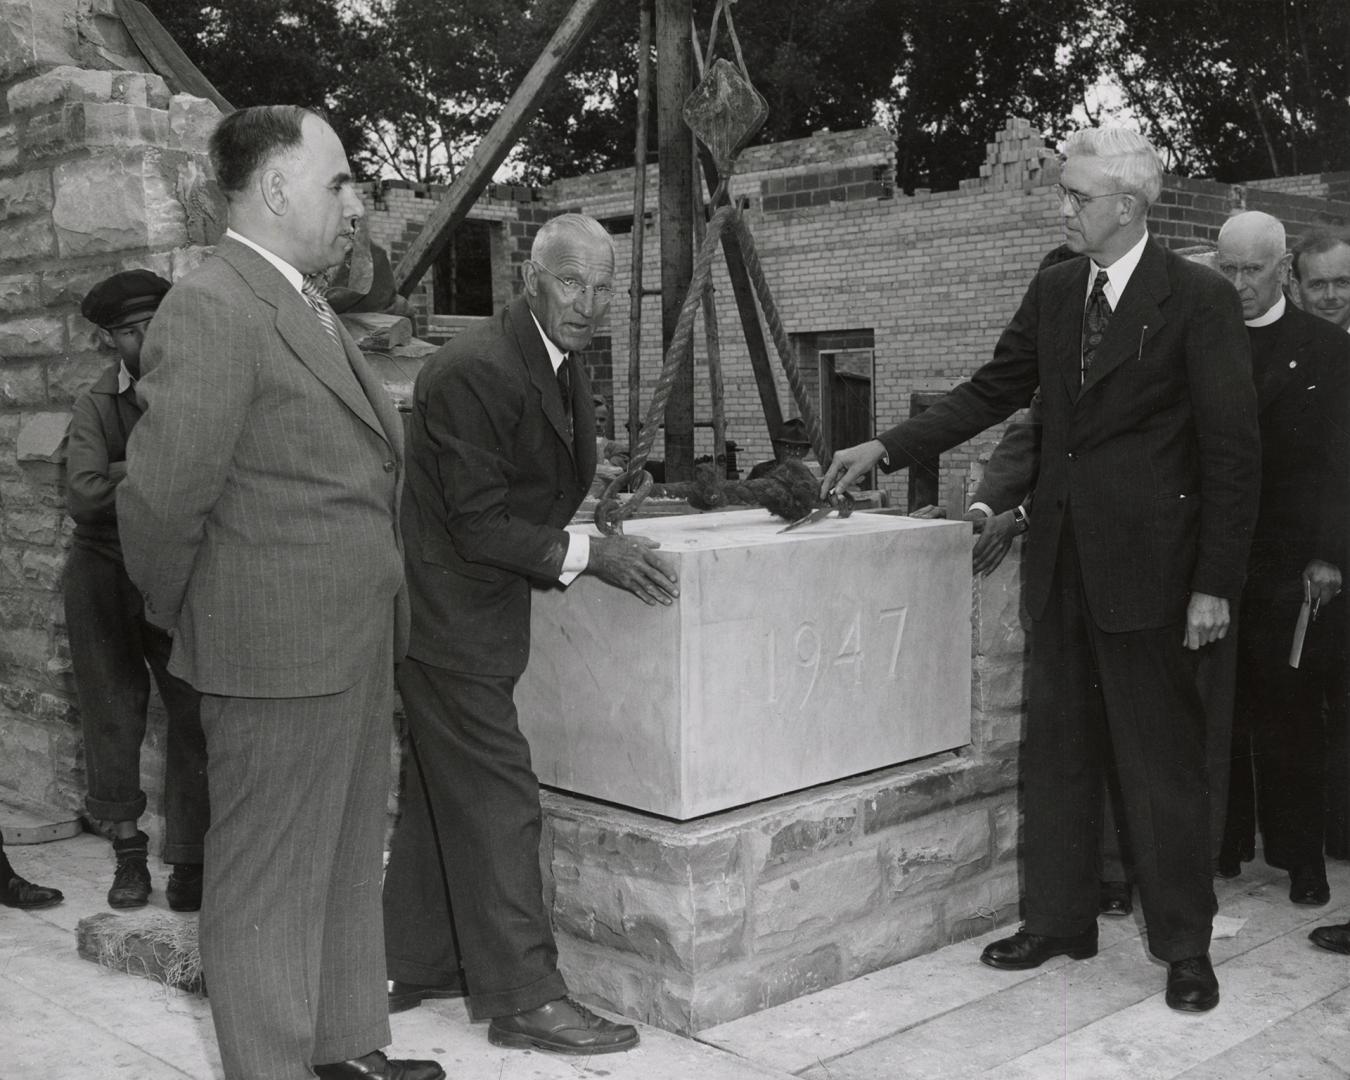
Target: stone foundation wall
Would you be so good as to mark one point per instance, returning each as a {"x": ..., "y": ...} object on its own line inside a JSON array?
[{"x": 687, "y": 925}]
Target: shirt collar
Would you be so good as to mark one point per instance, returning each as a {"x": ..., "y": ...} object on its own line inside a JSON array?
[
  {"x": 555, "y": 354},
  {"x": 125, "y": 381},
  {"x": 1275, "y": 313},
  {"x": 1119, "y": 272},
  {"x": 289, "y": 272}
]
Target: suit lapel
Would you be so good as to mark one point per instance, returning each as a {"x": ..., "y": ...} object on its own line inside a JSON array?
[
  {"x": 541, "y": 373},
  {"x": 1137, "y": 317},
  {"x": 302, "y": 331}
]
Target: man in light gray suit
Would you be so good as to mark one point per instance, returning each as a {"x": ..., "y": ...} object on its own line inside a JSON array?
[{"x": 259, "y": 519}]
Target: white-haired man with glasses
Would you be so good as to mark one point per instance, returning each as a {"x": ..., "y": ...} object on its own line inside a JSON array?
[
  {"x": 1145, "y": 502},
  {"x": 501, "y": 452}
]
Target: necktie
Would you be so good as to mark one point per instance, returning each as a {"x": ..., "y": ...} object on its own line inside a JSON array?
[
  {"x": 313, "y": 294},
  {"x": 565, "y": 386},
  {"x": 1095, "y": 317}
]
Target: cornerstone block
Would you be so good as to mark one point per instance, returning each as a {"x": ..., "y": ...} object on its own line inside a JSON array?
[{"x": 789, "y": 660}]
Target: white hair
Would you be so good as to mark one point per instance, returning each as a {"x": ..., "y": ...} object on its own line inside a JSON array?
[
  {"x": 1126, "y": 156},
  {"x": 1256, "y": 225},
  {"x": 567, "y": 226}
]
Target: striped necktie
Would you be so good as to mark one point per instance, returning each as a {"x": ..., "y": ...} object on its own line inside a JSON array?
[{"x": 313, "y": 294}]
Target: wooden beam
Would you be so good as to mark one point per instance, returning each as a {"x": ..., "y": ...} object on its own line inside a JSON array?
[
  {"x": 674, "y": 71},
  {"x": 497, "y": 143}
]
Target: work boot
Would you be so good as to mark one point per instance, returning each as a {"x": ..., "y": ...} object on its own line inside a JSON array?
[
  {"x": 131, "y": 879},
  {"x": 184, "y": 890}
]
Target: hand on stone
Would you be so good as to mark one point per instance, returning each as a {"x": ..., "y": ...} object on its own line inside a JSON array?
[
  {"x": 849, "y": 465},
  {"x": 928, "y": 512},
  {"x": 633, "y": 563}
]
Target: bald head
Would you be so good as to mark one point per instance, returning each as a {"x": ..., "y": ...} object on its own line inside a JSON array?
[{"x": 1251, "y": 254}]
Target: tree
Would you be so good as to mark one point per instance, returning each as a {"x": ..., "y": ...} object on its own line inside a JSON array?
[
  {"x": 1236, "y": 89},
  {"x": 277, "y": 52}
]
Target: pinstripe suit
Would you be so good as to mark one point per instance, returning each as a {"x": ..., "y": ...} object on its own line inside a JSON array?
[
  {"x": 259, "y": 519},
  {"x": 1146, "y": 493}
]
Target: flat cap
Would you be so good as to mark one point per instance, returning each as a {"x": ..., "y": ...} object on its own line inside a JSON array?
[{"x": 124, "y": 298}]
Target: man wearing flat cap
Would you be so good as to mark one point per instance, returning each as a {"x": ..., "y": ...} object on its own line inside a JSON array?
[{"x": 111, "y": 642}]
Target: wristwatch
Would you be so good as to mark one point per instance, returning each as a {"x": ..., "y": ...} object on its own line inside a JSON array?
[{"x": 1020, "y": 519}]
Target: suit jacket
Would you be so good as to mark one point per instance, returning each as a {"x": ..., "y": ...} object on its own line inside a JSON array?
[
  {"x": 1155, "y": 459},
  {"x": 1303, "y": 387},
  {"x": 259, "y": 516},
  {"x": 494, "y": 475},
  {"x": 96, "y": 454}
]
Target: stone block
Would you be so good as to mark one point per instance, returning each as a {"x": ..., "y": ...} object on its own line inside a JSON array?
[
  {"x": 9, "y": 147},
  {"x": 789, "y": 660},
  {"x": 32, "y": 335},
  {"x": 765, "y": 984},
  {"x": 70, "y": 376},
  {"x": 1007, "y": 826},
  {"x": 42, "y": 436},
  {"x": 115, "y": 201},
  {"x": 191, "y": 121},
  {"x": 894, "y": 932},
  {"x": 43, "y": 568},
  {"x": 115, "y": 125},
  {"x": 69, "y": 284},
  {"x": 33, "y": 525},
  {"x": 36, "y": 34},
  {"x": 20, "y": 293},
  {"x": 26, "y": 194},
  {"x": 937, "y": 852},
  {"x": 26, "y": 239},
  {"x": 61, "y": 86},
  {"x": 797, "y": 906},
  {"x": 802, "y": 838}
]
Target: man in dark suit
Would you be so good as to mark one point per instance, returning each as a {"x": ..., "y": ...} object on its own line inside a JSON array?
[
  {"x": 1301, "y": 365},
  {"x": 1144, "y": 508},
  {"x": 502, "y": 450},
  {"x": 259, "y": 518}
]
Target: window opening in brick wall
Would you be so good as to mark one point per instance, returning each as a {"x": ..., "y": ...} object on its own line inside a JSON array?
[{"x": 463, "y": 274}]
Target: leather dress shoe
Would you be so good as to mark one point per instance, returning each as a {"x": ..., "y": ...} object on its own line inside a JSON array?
[
  {"x": 408, "y": 995},
  {"x": 19, "y": 893},
  {"x": 1191, "y": 984},
  {"x": 184, "y": 890},
  {"x": 1308, "y": 885},
  {"x": 375, "y": 1066},
  {"x": 1335, "y": 938},
  {"x": 1116, "y": 899},
  {"x": 564, "y": 1027},
  {"x": 1024, "y": 950}
]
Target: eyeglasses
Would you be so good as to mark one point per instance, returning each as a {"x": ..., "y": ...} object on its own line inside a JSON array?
[
  {"x": 573, "y": 288},
  {"x": 1077, "y": 199}
]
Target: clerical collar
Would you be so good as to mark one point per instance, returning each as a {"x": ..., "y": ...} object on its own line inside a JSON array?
[
  {"x": 1275, "y": 313},
  {"x": 289, "y": 272},
  {"x": 555, "y": 355}
]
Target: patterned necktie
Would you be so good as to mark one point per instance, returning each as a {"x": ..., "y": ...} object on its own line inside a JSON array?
[
  {"x": 314, "y": 296},
  {"x": 1095, "y": 317}
]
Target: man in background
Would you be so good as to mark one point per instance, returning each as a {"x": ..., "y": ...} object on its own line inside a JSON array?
[
  {"x": 1321, "y": 268},
  {"x": 1301, "y": 368},
  {"x": 260, "y": 520},
  {"x": 111, "y": 641}
]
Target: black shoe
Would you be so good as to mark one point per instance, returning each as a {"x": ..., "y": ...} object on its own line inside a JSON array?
[
  {"x": 1227, "y": 866},
  {"x": 564, "y": 1027},
  {"x": 407, "y": 995},
  {"x": 1191, "y": 985},
  {"x": 1116, "y": 898},
  {"x": 1335, "y": 938},
  {"x": 1024, "y": 950},
  {"x": 18, "y": 893},
  {"x": 131, "y": 879},
  {"x": 376, "y": 1066},
  {"x": 1308, "y": 885},
  {"x": 184, "y": 890}
]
